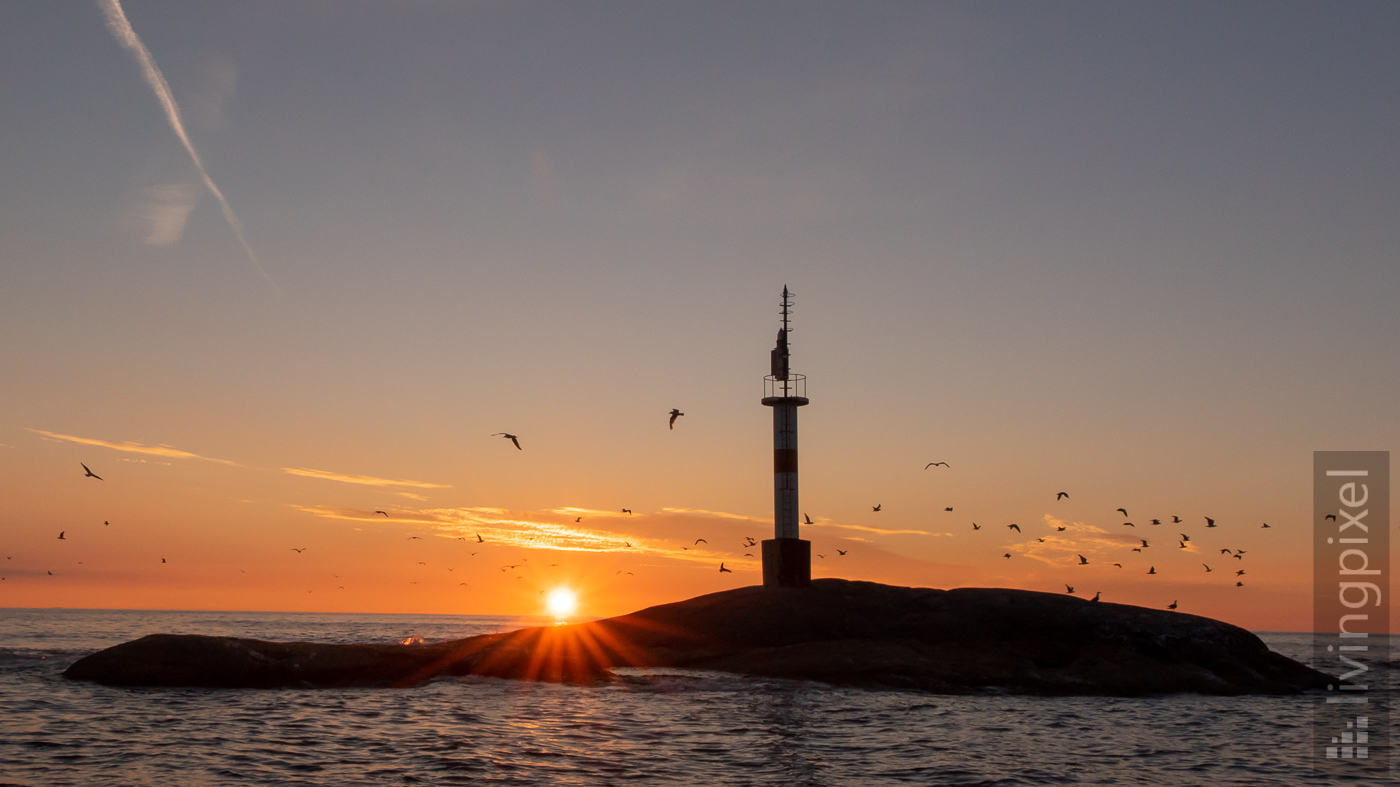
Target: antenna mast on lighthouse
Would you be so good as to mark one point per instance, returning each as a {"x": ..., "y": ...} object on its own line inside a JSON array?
[{"x": 787, "y": 559}]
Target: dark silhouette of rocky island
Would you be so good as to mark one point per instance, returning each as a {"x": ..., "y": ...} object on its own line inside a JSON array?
[{"x": 968, "y": 640}]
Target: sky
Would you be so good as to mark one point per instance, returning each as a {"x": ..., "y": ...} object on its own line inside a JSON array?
[{"x": 1142, "y": 253}]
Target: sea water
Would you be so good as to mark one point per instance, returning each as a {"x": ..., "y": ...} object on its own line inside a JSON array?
[{"x": 667, "y": 727}]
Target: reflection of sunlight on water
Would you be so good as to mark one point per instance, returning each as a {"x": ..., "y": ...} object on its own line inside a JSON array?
[{"x": 411, "y": 641}]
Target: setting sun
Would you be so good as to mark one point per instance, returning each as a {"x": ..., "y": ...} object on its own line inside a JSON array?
[{"x": 561, "y": 602}]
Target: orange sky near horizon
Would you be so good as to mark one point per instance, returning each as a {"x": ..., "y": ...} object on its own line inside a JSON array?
[{"x": 228, "y": 532}]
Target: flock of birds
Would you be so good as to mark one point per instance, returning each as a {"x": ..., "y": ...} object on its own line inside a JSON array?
[{"x": 1183, "y": 543}]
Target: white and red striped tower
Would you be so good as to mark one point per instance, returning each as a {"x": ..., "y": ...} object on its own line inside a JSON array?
[{"x": 787, "y": 559}]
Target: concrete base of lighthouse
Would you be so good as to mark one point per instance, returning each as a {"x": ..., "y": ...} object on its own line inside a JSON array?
[{"x": 787, "y": 563}]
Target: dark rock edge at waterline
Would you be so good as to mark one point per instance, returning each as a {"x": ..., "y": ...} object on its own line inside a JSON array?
[{"x": 841, "y": 632}]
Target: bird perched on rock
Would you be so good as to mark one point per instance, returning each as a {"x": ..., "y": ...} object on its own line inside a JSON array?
[
  {"x": 1097, "y": 593},
  {"x": 674, "y": 415},
  {"x": 89, "y": 474},
  {"x": 1172, "y": 605},
  {"x": 509, "y": 437},
  {"x": 1068, "y": 589}
]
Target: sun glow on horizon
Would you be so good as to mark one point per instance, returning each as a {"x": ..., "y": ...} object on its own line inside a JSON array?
[{"x": 562, "y": 603}]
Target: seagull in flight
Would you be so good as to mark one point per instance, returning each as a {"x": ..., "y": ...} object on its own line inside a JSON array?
[
  {"x": 89, "y": 474},
  {"x": 1014, "y": 526},
  {"x": 807, "y": 520},
  {"x": 385, "y": 513},
  {"x": 627, "y": 511},
  {"x": 877, "y": 507},
  {"x": 700, "y": 541},
  {"x": 1083, "y": 561},
  {"x": 1176, "y": 520},
  {"x": 1185, "y": 538},
  {"x": 1239, "y": 584},
  {"x": 1208, "y": 569},
  {"x": 976, "y": 526},
  {"x": 1129, "y": 524},
  {"x": 1120, "y": 565},
  {"x": 935, "y": 464},
  {"x": 841, "y": 551},
  {"x": 60, "y": 535},
  {"x": 674, "y": 415},
  {"x": 1060, "y": 529},
  {"x": 578, "y": 519},
  {"x": 949, "y": 508},
  {"x": 1007, "y": 555},
  {"x": 1144, "y": 541},
  {"x": 1156, "y": 522},
  {"x": 1152, "y": 569},
  {"x": 724, "y": 570},
  {"x": 1210, "y": 522},
  {"x": 1068, "y": 589},
  {"x": 823, "y": 557},
  {"x": 415, "y": 538},
  {"x": 1239, "y": 573},
  {"x": 1124, "y": 510},
  {"x": 1266, "y": 524},
  {"x": 1226, "y": 552},
  {"x": 1332, "y": 517},
  {"x": 1059, "y": 495},
  {"x": 510, "y": 437},
  {"x": 479, "y": 539},
  {"x": 294, "y": 549}
]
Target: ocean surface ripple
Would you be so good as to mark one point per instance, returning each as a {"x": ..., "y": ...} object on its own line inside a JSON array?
[{"x": 650, "y": 727}]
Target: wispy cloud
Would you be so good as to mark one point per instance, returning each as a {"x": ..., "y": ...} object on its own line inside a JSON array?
[
  {"x": 135, "y": 448},
  {"x": 364, "y": 480},
  {"x": 876, "y": 530},
  {"x": 126, "y": 36},
  {"x": 158, "y": 213}
]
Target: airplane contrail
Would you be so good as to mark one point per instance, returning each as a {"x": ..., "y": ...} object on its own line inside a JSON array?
[{"x": 126, "y": 36}]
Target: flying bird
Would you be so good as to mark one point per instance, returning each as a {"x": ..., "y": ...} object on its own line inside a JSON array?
[
  {"x": 578, "y": 519},
  {"x": 1266, "y": 524},
  {"x": 1137, "y": 549},
  {"x": 1129, "y": 524},
  {"x": 627, "y": 544},
  {"x": 385, "y": 513},
  {"x": 1152, "y": 569},
  {"x": 479, "y": 539},
  {"x": 1176, "y": 520},
  {"x": 1182, "y": 545},
  {"x": 108, "y": 523},
  {"x": 1185, "y": 538},
  {"x": 60, "y": 535},
  {"x": 415, "y": 538},
  {"x": 949, "y": 508},
  {"x": 1124, "y": 510},
  {"x": 935, "y": 464},
  {"x": 298, "y": 551},
  {"x": 1060, "y": 529},
  {"x": 1119, "y": 565},
  {"x": 700, "y": 541},
  {"x": 1239, "y": 584},
  {"x": 1083, "y": 561},
  {"x": 1156, "y": 522},
  {"x": 823, "y": 557},
  {"x": 1007, "y": 555},
  {"x": 162, "y": 560},
  {"x": 1238, "y": 556},
  {"x": 89, "y": 474},
  {"x": 509, "y": 437},
  {"x": 841, "y": 551},
  {"x": 1041, "y": 540},
  {"x": 1068, "y": 589},
  {"x": 1225, "y": 552},
  {"x": 1172, "y": 605},
  {"x": 1144, "y": 542},
  {"x": 674, "y": 415},
  {"x": 1059, "y": 495},
  {"x": 748, "y": 554},
  {"x": 627, "y": 511},
  {"x": 976, "y": 526},
  {"x": 1207, "y": 568},
  {"x": 807, "y": 520},
  {"x": 1332, "y": 517},
  {"x": 878, "y": 506},
  {"x": 724, "y": 570},
  {"x": 1014, "y": 526},
  {"x": 1239, "y": 573},
  {"x": 1210, "y": 522}
]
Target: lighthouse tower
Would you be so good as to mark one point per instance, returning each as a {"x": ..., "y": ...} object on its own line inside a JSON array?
[{"x": 787, "y": 559}]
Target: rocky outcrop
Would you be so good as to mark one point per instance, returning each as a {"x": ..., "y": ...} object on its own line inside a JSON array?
[{"x": 959, "y": 641}]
